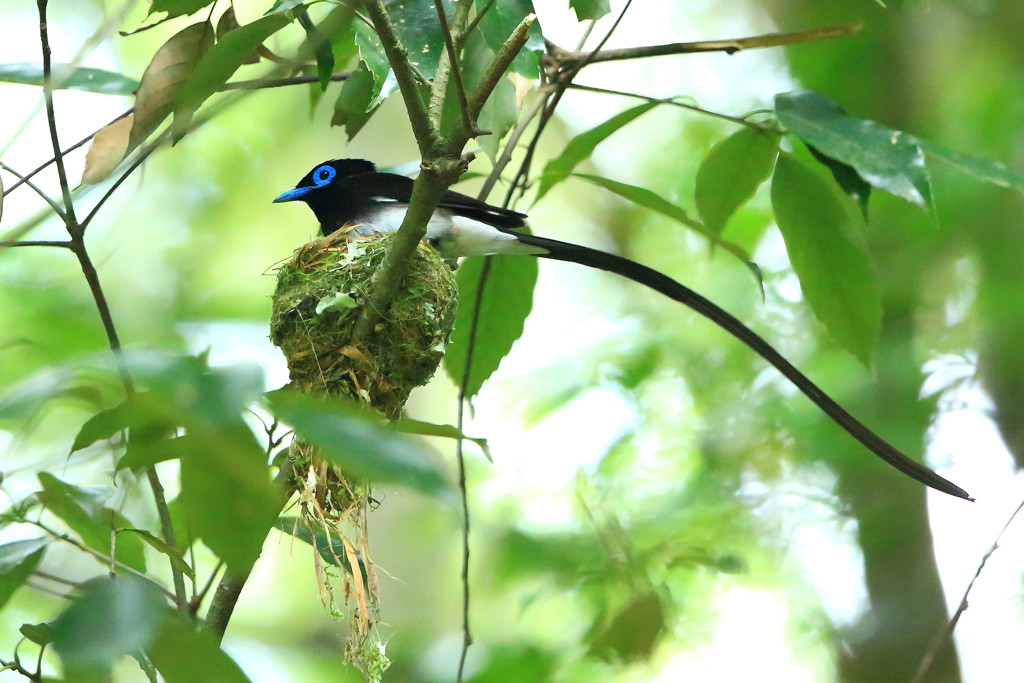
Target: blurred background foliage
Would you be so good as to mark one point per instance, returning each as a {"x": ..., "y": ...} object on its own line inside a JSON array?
[{"x": 660, "y": 506}]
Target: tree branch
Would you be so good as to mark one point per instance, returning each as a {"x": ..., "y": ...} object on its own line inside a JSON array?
[
  {"x": 508, "y": 51},
  {"x": 730, "y": 46}
]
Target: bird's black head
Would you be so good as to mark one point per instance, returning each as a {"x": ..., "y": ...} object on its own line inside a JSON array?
[{"x": 322, "y": 189}]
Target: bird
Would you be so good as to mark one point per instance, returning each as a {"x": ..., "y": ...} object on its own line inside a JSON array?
[{"x": 351, "y": 194}]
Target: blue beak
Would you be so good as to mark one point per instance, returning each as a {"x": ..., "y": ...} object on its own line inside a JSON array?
[{"x": 293, "y": 195}]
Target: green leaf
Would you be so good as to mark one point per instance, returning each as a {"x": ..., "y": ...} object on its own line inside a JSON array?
[
  {"x": 178, "y": 8},
  {"x": 184, "y": 654},
  {"x": 731, "y": 173},
  {"x": 358, "y": 442},
  {"x": 217, "y": 66},
  {"x": 888, "y": 159},
  {"x": 233, "y": 526},
  {"x": 497, "y": 25},
  {"x": 985, "y": 169},
  {"x": 102, "y": 425},
  {"x": 590, "y": 9},
  {"x": 417, "y": 26},
  {"x": 504, "y": 302},
  {"x": 823, "y": 243},
  {"x": 40, "y": 634},
  {"x": 650, "y": 200},
  {"x": 850, "y": 182},
  {"x": 161, "y": 546},
  {"x": 408, "y": 425},
  {"x": 17, "y": 562},
  {"x": 71, "y": 77},
  {"x": 82, "y": 510},
  {"x": 110, "y": 619},
  {"x": 582, "y": 146},
  {"x": 371, "y": 52},
  {"x": 167, "y": 72},
  {"x": 320, "y": 46},
  {"x": 351, "y": 109},
  {"x": 332, "y": 549}
]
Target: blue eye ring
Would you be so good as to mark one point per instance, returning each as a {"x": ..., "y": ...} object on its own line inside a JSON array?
[{"x": 324, "y": 175}]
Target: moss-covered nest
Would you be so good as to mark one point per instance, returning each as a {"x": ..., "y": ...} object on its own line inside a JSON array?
[{"x": 317, "y": 302}]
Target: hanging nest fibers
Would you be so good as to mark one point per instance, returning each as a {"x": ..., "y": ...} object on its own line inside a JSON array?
[{"x": 315, "y": 308}]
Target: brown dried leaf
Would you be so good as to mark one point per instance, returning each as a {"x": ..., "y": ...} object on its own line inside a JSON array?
[
  {"x": 167, "y": 72},
  {"x": 108, "y": 147}
]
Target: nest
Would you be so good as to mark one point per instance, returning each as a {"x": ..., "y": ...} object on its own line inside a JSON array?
[{"x": 316, "y": 305}]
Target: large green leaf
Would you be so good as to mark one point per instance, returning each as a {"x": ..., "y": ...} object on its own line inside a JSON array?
[
  {"x": 352, "y": 108},
  {"x": 888, "y": 159},
  {"x": 82, "y": 510},
  {"x": 731, "y": 173},
  {"x": 417, "y": 26},
  {"x": 71, "y": 77},
  {"x": 110, "y": 619},
  {"x": 500, "y": 309},
  {"x": 358, "y": 442},
  {"x": 497, "y": 25},
  {"x": 371, "y": 54},
  {"x": 824, "y": 246},
  {"x": 217, "y": 66},
  {"x": 582, "y": 146},
  {"x": 218, "y": 451},
  {"x": 184, "y": 654},
  {"x": 17, "y": 562},
  {"x": 319, "y": 45}
]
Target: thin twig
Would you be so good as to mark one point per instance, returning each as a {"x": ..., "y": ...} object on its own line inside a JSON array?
[
  {"x": 10, "y": 244},
  {"x": 947, "y": 631},
  {"x": 474, "y": 326},
  {"x": 729, "y": 46},
  {"x": 563, "y": 78},
  {"x": 301, "y": 79},
  {"x": 32, "y": 186},
  {"x": 473, "y": 24},
  {"x": 672, "y": 102},
  {"x": 51, "y": 117},
  {"x": 197, "y": 600},
  {"x": 102, "y": 557}
]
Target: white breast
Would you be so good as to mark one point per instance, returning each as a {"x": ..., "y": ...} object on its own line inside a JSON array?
[{"x": 452, "y": 235}]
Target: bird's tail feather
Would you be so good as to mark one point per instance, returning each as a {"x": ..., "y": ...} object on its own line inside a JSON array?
[{"x": 564, "y": 251}]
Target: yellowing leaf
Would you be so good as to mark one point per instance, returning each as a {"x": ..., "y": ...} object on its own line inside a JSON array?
[
  {"x": 106, "y": 150},
  {"x": 167, "y": 72}
]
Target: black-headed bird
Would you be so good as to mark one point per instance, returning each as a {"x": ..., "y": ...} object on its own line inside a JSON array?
[{"x": 352, "y": 194}]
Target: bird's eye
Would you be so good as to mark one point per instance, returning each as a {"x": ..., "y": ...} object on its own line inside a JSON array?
[{"x": 323, "y": 175}]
